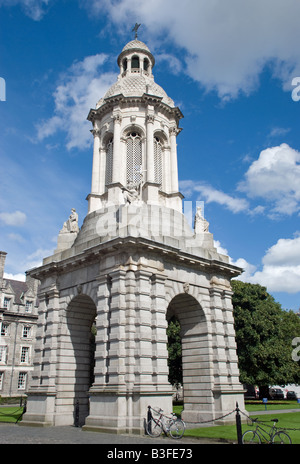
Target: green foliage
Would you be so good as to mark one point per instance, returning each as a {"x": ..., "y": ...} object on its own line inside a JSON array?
[
  {"x": 174, "y": 351},
  {"x": 264, "y": 334}
]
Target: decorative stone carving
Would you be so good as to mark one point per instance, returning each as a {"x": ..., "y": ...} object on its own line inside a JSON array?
[
  {"x": 186, "y": 287},
  {"x": 69, "y": 232},
  {"x": 71, "y": 225},
  {"x": 201, "y": 225},
  {"x": 131, "y": 194}
]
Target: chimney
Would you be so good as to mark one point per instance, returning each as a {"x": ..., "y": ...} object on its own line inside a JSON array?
[{"x": 2, "y": 264}]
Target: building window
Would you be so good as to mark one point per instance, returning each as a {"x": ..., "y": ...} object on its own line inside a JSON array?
[
  {"x": 28, "y": 306},
  {"x": 25, "y": 354},
  {"x": 3, "y": 353},
  {"x": 135, "y": 62},
  {"x": 109, "y": 162},
  {"x": 26, "y": 331},
  {"x": 22, "y": 380},
  {"x": 146, "y": 64},
  {"x": 4, "y": 329},
  {"x": 157, "y": 160},
  {"x": 133, "y": 158},
  {"x": 6, "y": 302},
  {"x": 1, "y": 380}
]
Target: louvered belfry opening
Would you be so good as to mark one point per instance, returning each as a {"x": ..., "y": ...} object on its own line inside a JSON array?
[{"x": 134, "y": 158}]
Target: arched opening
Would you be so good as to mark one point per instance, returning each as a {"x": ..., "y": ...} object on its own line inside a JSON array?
[
  {"x": 196, "y": 368},
  {"x": 175, "y": 357},
  {"x": 76, "y": 366},
  {"x": 134, "y": 159},
  {"x": 109, "y": 161},
  {"x": 157, "y": 145},
  {"x": 135, "y": 63}
]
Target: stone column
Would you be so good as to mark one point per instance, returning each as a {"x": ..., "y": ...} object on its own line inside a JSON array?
[
  {"x": 117, "y": 162},
  {"x": 94, "y": 196},
  {"x": 151, "y": 187},
  {"x": 150, "y": 145},
  {"x": 102, "y": 169},
  {"x": 227, "y": 390},
  {"x": 143, "y": 323},
  {"x": 41, "y": 403},
  {"x": 96, "y": 161},
  {"x": 2, "y": 265},
  {"x": 108, "y": 395},
  {"x": 166, "y": 184},
  {"x": 231, "y": 348},
  {"x": 114, "y": 189},
  {"x": 159, "y": 340},
  {"x": 103, "y": 331},
  {"x": 173, "y": 155}
]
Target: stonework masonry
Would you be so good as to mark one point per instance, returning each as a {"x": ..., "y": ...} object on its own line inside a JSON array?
[{"x": 109, "y": 289}]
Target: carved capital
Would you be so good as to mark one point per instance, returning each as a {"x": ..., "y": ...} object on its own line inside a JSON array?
[
  {"x": 173, "y": 130},
  {"x": 117, "y": 118},
  {"x": 150, "y": 119},
  {"x": 96, "y": 132}
]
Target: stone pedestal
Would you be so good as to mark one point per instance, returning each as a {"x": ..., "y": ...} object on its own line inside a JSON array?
[{"x": 131, "y": 278}]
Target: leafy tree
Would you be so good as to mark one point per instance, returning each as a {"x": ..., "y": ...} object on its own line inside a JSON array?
[
  {"x": 264, "y": 334},
  {"x": 174, "y": 352}
]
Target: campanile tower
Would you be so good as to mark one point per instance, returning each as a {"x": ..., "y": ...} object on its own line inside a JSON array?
[
  {"x": 135, "y": 126},
  {"x": 110, "y": 287}
]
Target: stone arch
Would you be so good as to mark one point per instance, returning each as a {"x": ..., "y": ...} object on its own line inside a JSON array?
[
  {"x": 133, "y": 127},
  {"x": 75, "y": 359},
  {"x": 161, "y": 135},
  {"x": 197, "y": 369},
  {"x": 108, "y": 135}
]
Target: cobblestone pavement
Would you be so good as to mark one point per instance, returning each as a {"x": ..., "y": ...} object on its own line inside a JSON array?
[{"x": 16, "y": 434}]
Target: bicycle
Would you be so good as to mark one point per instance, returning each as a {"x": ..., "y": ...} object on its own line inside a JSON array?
[
  {"x": 169, "y": 425},
  {"x": 260, "y": 435}
]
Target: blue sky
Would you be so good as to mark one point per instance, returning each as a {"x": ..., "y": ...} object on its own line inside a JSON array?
[{"x": 229, "y": 66}]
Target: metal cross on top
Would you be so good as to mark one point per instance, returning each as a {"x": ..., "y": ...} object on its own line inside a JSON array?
[{"x": 135, "y": 29}]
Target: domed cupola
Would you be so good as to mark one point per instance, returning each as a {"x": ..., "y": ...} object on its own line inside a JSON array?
[
  {"x": 136, "y": 58},
  {"x": 136, "y": 79}
]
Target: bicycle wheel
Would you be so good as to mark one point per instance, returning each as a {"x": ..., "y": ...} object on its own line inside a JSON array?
[
  {"x": 251, "y": 438},
  {"x": 281, "y": 438},
  {"x": 177, "y": 428},
  {"x": 154, "y": 428}
]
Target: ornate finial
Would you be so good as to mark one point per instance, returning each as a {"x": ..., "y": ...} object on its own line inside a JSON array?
[{"x": 135, "y": 29}]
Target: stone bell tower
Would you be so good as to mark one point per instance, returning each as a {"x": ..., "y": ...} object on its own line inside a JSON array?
[
  {"x": 109, "y": 289},
  {"x": 135, "y": 127}
]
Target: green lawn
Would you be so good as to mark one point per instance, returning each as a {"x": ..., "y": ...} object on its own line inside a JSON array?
[
  {"x": 10, "y": 413},
  {"x": 228, "y": 432}
]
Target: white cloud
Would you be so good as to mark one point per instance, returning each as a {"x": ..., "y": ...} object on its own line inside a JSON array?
[
  {"x": 35, "y": 9},
  {"x": 279, "y": 132},
  {"x": 225, "y": 45},
  {"x": 35, "y": 259},
  {"x": 19, "y": 276},
  {"x": 16, "y": 237},
  {"x": 210, "y": 195},
  {"x": 281, "y": 267},
  {"x": 274, "y": 176},
  {"x": 248, "y": 269},
  {"x": 13, "y": 219},
  {"x": 79, "y": 90}
]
